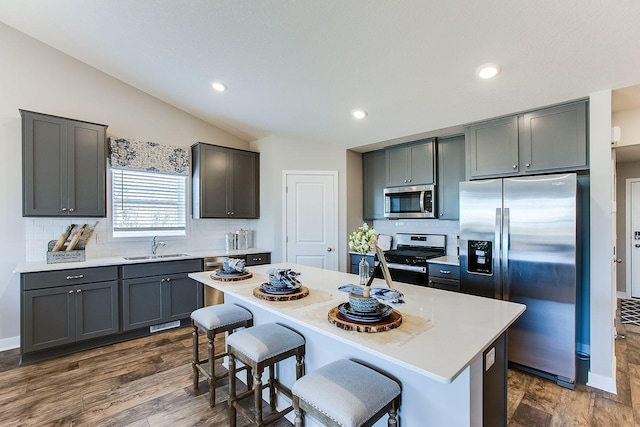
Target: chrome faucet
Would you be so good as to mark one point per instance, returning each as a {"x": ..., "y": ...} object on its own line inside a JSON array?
[{"x": 154, "y": 245}]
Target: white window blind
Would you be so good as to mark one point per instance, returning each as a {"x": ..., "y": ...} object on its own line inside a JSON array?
[{"x": 148, "y": 204}]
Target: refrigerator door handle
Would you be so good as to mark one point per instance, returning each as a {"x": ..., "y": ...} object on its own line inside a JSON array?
[
  {"x": 497, "y": 273},
  {"x": 505, "y": 254}
]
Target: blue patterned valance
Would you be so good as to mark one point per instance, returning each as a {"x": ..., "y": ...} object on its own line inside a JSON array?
[{"x": 148, "y": 156}]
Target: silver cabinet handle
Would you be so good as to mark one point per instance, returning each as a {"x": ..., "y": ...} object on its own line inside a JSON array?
[
  {"x": 64, "y": 209},
  {"x": 71, "y": 291},
  {"x": 445, "y": 271},
  {"x": 515, "y": 166},
  {"x": 79, "y": 276},
  {"x": 71, "y": 209},
  {"x": 78, "y": 291},
  {"x": 528, "y": 165},
  {"x": 168, "y": 279}
]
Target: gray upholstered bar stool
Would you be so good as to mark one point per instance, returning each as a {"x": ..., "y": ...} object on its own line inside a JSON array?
[
  {"x": 346, "y": 394},
  {"x": 212, "y": 320},
  {"x": 259, "y": 347}
]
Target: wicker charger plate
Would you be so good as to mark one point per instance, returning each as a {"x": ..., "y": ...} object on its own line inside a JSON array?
[
  {"x": 336, "y": 318},
  {"x": 231, "y": 278}
]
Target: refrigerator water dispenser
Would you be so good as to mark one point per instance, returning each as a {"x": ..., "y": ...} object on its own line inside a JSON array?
[{"x": 480, "y": 257}]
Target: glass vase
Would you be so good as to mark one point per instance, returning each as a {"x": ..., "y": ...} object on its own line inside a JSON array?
[{"x": 363, "y": 270}]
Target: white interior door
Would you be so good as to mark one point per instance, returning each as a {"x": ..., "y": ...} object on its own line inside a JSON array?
[
  {"x": 633, "y": 236},
  {"x": 311, "y": 218}
]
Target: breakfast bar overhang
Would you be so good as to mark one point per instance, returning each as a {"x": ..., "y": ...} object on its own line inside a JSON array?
[{"x": 449, "y": 352}]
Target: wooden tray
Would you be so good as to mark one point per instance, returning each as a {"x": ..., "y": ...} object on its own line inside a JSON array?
[
  {"x": 247, "y": 275},
  {"x": 259, "y": 293},
  {"x": 391, "y": 322}
]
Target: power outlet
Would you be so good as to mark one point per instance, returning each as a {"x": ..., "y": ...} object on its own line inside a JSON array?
[
  {"x": 490, "y": 359},
  {"x": 100, "y": 237}
]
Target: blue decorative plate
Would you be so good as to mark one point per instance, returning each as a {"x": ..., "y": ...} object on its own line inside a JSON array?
[
  {"x": 269, "y": 289},
  {"x": 382, "y": 312},
  {"x": 222, "y": 273}
]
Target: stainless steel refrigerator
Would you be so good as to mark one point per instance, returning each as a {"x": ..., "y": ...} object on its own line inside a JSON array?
[{"x": 518, "y": 241}]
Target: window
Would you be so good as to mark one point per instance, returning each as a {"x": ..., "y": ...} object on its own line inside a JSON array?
[{"x": 148, "y": 204}]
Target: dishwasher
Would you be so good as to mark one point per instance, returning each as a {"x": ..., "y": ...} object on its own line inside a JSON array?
[{"x": 213, "y": 296}]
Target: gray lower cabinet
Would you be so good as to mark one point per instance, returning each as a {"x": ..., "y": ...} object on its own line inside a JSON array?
[
  {"x": 64, "y": 166},
  {"x": 410, "y": 164},
  {"x": 258, "y": 258},
  {"x": 156, "y": 293},
  {"x": 374, "y": 182},
  {"x": 225, "y": 182},
  {"x": 548, "y": 140},
  {"x": 444, "y": 276},
  {"x": 451, "y": 171},
  {"x": 67, "y": 306}
]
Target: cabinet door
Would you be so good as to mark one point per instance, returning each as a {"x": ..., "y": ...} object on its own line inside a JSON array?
[
  {"x": 396, "y": 164},
  {"x": 48, "y": 318},
  {"x": 451, "y": 171},
  {"x": 96, "y": 310},
  {"x": 142, "y": 302},
  {"x": 259, "y": 258},
  {"x": 492, "y": 148},
  {"x": 183, "y": 295},
  {"x": 44, "y": 165},
  {"x": 86, "y": 166},
  {"x": 554, "y": 138},
  {"x": 244, "y": 184},
  {"x": 373, "y": 177},
  {"x": 213, "y": 182},
  {"x": 421, "y": 163}
]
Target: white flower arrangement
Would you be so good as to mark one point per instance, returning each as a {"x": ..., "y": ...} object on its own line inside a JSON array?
[{"x": 363, "y": 239}]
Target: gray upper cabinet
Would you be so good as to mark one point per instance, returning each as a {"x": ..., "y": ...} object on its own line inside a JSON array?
[
  {"x": 492, "y": 148},
  {"x": 374, "y": 181},
  {"x": 546, "y": 140},
  {"x": 411, "y": 164},
  {"x": 64, "y": 166},
  {"x": 554, "y": 138},
  {"x": 225, "y": 182},
  {"x": 451, "y": 171}
]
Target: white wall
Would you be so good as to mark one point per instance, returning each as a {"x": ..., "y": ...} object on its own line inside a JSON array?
[
  {"x": 36, "y": 77},
  {"x": 602, "y": 372},
  {"x": 279, "y": 153},
  {"x": 629, "y": 122}
]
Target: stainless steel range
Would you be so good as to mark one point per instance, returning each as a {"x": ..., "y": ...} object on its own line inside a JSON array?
[{"x": 408, "y": 262}]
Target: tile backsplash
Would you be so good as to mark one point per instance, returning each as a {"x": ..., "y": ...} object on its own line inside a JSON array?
[
  {"x": 203, "y": 234},
  {"x": 426, "y": 226}
]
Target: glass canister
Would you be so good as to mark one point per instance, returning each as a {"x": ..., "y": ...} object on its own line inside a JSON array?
[
  {"x": 230, "y": 242},
  {"x": 243, "y": 239}
]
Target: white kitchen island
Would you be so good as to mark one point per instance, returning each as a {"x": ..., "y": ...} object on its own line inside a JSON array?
[{"x": 437, "y": 352}]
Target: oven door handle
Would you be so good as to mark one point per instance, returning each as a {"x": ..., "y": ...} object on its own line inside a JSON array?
[{"x": 406, "y": 267}]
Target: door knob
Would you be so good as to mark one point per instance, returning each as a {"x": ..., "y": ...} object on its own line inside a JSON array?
[
  {"x": 329, "y": 249},
  {"x": 637, "y": 245},
  {"x": 618, "y": 260}
]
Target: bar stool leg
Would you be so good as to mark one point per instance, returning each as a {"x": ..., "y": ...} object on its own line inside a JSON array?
[
  {"x": 194, "y": 363},
  {"x": 392, "y": 421},
  {"x": 257, "y": 394},
  {"x": 299, "y": 366},
  {"x": 232, "y": 391},
  {"x": 297, "y": 411},
  {"x": 272, "y": 388},
  {"x": 212, "y": 373}
]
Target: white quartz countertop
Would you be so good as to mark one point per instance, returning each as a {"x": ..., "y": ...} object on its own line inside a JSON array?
[
  {"x": 30, "y": 267},
  {"x": 447, "y": 259},
  {"x": 441, "y": 333}
]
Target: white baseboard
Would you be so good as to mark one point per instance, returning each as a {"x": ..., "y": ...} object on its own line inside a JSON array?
[
  {"x": 9, "y": 343},
  {"x": 621, "y": 294},
  {"x": 603, "y": 383}
]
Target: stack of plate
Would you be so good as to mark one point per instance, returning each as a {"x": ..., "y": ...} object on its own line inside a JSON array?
[
  {"x": 382, "y": 312},
  {"x": 268, "y": 288},
  {"x": 234, "y": 273}
]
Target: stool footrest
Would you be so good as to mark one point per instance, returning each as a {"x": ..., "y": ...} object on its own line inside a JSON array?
[{"x": 269, "y": 418}]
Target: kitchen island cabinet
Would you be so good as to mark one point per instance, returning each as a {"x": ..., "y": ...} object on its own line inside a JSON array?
[
  {"x": 439, "y": 353},
  {"x": 64, "y": 166}
]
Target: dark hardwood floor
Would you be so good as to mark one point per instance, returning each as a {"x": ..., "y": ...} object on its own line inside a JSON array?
[{"x": 147, "y": 382}]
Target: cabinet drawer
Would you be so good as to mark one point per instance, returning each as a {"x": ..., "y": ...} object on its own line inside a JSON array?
[
  {"x": 259, "y": 259},
  {"x": 445, "y": 271},
  {"x": 161, "y": 268},
  {"x": 77, "y": 276},
  {"x": 445, "y": 284}
]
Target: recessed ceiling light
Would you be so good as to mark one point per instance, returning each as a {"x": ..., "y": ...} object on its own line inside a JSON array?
[
  {"x": 218, "y": 86},
  {"x": 488, "y": 71},
  {"x": 359, "y": 114}
]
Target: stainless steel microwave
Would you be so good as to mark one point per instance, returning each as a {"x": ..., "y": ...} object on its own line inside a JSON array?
[{"x": 416, "y": 201}]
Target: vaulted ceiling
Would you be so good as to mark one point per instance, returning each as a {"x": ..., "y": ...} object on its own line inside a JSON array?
[{"x": 299, "y": 68}]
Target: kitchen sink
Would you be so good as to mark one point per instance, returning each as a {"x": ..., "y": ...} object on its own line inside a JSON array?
[{"x": 138, "y": 258}]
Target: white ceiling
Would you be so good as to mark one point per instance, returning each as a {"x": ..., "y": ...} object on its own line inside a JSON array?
[{"x": 298, "y": 68}]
